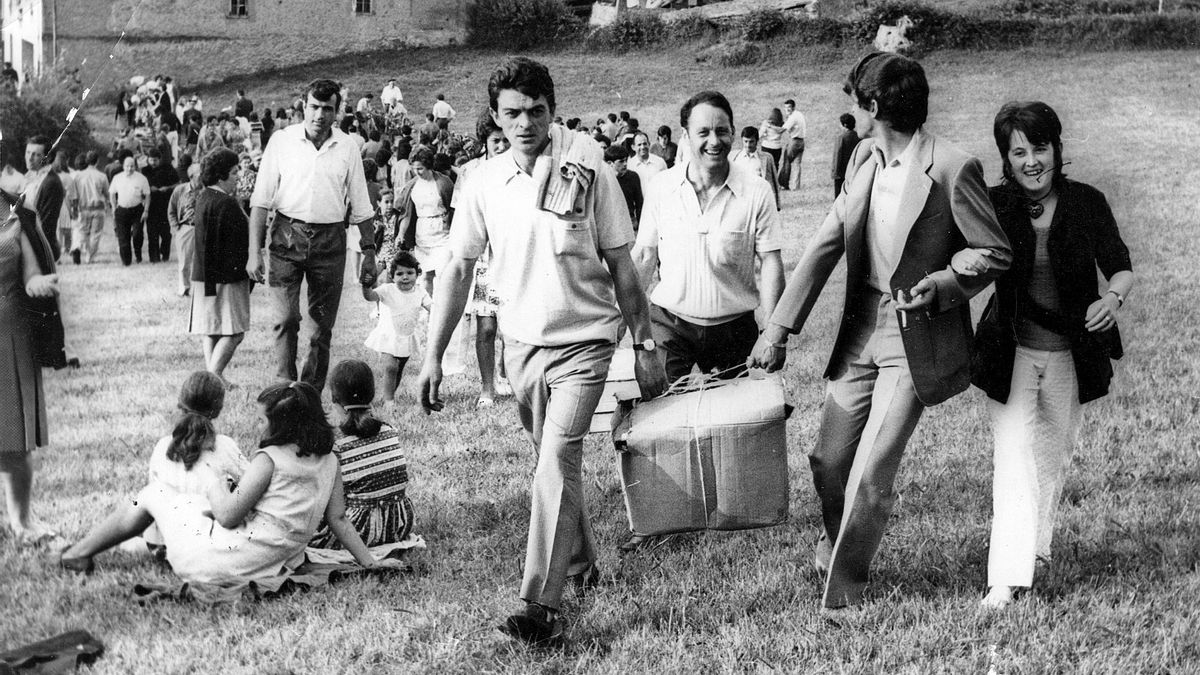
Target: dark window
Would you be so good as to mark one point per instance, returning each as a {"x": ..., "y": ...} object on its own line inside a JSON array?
[
  {"x": 239, "y": 8},
  {"x": 362, "y": 6}
]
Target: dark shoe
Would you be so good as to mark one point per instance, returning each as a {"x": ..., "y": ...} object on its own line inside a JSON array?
[
  {"x": 76, "y": 257},
  {"x": 534, "y": 627},
  {"x": 77, "y": 565}
]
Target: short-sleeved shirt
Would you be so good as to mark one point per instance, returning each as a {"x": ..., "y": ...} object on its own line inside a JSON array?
[
  {"x": 706, "y": 259},
  {"x": 92, "y": 186},
  {"x": 547, "y": 272},
  {"x": 648, "y": 168},
  {"x": 795, "y": 125},
  {"x": 310, "y": 184},
  {"x": 129, "y": 189}
]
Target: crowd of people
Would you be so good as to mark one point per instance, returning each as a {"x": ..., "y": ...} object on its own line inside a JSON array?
[{"x": 562, "y": 239}]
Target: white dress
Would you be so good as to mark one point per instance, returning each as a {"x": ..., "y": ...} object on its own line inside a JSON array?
[
  {"x": 224, "y": 459},
  {"x": 270, "y": 540},
  {"x": 432, "y": 232},
  {"x": 399, "y": 312}
]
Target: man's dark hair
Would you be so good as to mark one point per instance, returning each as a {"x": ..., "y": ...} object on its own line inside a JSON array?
[
  {"x": 633, "y": 124},
  {"x": 375, "y": 135},
  {"x": 124, "y": 154},
  {"x": 154, "y": 153},
  {"x": 485, "y": 126},
  {"x": 216, "y": 165},
  {"x": 241, "y": 92},
  {"x": 750, "y": 132},
  {"x": 612, "y": 117},
  {"x": 847, "y": 121},
  {"x": 92, "y": 157},
  {"x": 665, "y": 132},
  {"x": 896, "y": 84},
  {"x": 325, "y": 90},
  {"x": 573, "y": 123},
  {"x": 616, "y": 152},
  {"x": 714, "y": 98},
  {"x": 790, "y": 102},
  {"x": 1039, "y": 124},
  {"x": 39, "y": 139},
  {"x": 524, "y": 75},
  {"x": 80, "y": 162},
  {"x": 624, "y": 115},
  {"x": 441, "y": 97}
]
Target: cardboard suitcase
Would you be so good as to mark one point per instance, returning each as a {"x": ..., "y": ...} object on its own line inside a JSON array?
[
  {"x": 714, "y": 458},
  {"x": 620, "y": 386}
]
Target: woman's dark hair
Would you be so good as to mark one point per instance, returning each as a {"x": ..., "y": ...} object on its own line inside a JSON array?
[
  {"x": 294, "y": 415},
  {"x": 353, "y": 384},
  {"x": 370, "y": 169},
  {"x": 898, "y": 86},
  {"x": 714, "y": 98},
  {"x": 324, "y": 90},
  {"x": 200, "y": 401},
  {"x": 403, "y": 148},
  {"x": 524, "y": 75},
  {"x": 1038, "y": 122},
  {"x": 216, "y": 165},
  {"x": 345, "y": 124},
  {"x": 775, "y": 117},
  {"x": 442, "y": 163},
  {"x": 422, "y": 154},
  {"x": 405, "y": 259},
  {"x": 485, "y": 126},
  {"x": 847, "y": 121}
]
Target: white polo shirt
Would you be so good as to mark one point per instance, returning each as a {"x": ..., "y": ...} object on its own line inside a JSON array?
[
  {"x": 130, "y": 189},
  {"x": 795, "y": 125},
  {"x": 553, "y": 286},
  {"x": 315, "y": 186},
  {"x": 706, "y": 259},
  {"x": 647, "y": 169}
]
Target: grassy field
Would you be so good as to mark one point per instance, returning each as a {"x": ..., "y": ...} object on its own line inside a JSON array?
[{"x": 1120, "y": 598}]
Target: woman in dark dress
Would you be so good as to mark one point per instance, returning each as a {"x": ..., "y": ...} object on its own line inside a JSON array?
[
  {"x": 1044, "y": 345},
  {"x": 220, "y": 287}
]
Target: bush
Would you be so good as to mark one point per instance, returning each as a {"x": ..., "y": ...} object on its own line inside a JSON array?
[
  {"x": 631, "y": 30},
  {"x": 520, "y": 24},
  {"x": 762, "y": 24},
  {"x": 691, "y": 27},
  {"x": 41, "y": 109},
  {"x": 736, "y": 52},
  {"x": 1140, "y": 31},
  {"x": 929, "y": 23}
]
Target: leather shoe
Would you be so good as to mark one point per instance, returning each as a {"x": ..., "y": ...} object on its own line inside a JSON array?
[
  {"x": 534, "y": 626},
  {"x": 640, "y": 542},
  {"x": 585, "y": 580}
]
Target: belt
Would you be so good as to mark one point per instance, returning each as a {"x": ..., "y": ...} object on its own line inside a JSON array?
[{"x": 297, "y": 221}]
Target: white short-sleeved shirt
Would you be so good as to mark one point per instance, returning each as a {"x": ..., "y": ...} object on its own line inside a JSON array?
[
  {"x": 130, "y": 189},
  {"x": 547, "y": 272},
  {"x": 225, "y": 459},
  {"x": 315, "y": 186},
  {"x": 795, "y": 125},
  {"x": 706, "y": 259},
  {"x": 648, "y": 168}
]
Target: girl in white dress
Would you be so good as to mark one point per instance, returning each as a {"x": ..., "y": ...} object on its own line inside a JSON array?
[
  {"x": 400, "y": 304},
  {"x": 254, "y": 528}
]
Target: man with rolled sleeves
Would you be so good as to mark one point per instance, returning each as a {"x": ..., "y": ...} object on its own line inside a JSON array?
[
  {"x": 551, "y": 213},
  {"x": 311, "y": 176},
  {"x": 910, "y": 202}
]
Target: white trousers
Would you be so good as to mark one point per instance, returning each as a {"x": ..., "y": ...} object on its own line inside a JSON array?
[{"x": 1034, "y": 435}]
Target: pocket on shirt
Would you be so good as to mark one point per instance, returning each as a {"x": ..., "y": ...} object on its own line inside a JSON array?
[
  {"x": 574, "y": 239},
  {"x": 731, "y": 249}
]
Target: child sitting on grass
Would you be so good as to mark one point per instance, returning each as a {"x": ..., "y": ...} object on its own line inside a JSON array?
[
  {"x": 194, "y": 454},
  {"x": 257, "y": 527},
  {"x": 400, "y": 302},
  {"x": 374, "y": 467}
]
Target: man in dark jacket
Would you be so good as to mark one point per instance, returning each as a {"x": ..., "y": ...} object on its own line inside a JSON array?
[
  {"x": 44, "y": 192},
  {"x": 162, "y": 178}
]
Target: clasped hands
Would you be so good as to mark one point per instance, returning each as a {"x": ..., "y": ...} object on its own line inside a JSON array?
[{"x": 42, "y": 286}]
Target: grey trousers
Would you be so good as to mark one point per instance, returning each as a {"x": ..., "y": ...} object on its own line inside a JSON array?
[
  {"x": 870, "y": 411},
  {"x": 557, "y": 389}
]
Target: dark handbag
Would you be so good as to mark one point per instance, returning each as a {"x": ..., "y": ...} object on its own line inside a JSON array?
[
  {"x": 993, "y": 351},
  {"x": 46, "y": 337}
]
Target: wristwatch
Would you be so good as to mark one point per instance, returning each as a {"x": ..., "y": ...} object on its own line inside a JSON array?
[
  {"x": 647, "y": 345},
  {"x": 1120, "y": 298}
]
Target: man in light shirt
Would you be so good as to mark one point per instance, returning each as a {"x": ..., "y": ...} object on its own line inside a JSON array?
[
  {"x": 391, "y": 95},
  {"x": 644, "y": 163},
  {"x": 704, "y": 227},
  {"x": 559, "y": 337},
  {"x": 911, "y": 201},
  {"x": 92, "y": 186},
  {"x": 311, "y": 176},
  {"x": 129, "y": 193},
  {"x": 762, "y": 164},
  {"x": 795, "y": 126},
  {"x": 442, "y": 110}
]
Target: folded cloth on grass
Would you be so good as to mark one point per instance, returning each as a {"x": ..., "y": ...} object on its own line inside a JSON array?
[
  {"x": 316, "y": 571},
  {"x": 53, "y": 656}
]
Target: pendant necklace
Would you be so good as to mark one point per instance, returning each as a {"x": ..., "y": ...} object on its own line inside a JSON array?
[{"x": 1035, "y": 207}]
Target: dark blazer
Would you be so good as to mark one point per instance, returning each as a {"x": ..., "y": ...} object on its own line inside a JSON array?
[
  {"x": 1083, "y": 236},
  {"x": 48, "y": 205},
  {"x": 842, "y": 152},
  {"x": 222, "y": 240},
  {"x": 944, "y": 209}
]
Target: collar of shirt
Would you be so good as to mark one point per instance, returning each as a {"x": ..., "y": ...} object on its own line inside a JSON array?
[
  {"x": 552, "y": 149},
  {"x": 734, "y": 181},
  {"x": 903, "y": 158},
  {"x": 301, "y": 136}
]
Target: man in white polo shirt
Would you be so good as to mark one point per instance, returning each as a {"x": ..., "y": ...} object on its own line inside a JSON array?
[
  {"x": 560, "y": 268},
  {"x": 704, "y": 226},
  {"x": 312, "y": 177},
  {"x": 644, "y": 163},
  {"x": 795, "y": 126}
]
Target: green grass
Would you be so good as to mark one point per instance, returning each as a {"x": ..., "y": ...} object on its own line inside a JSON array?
[{"x": 1119, "y": 599}]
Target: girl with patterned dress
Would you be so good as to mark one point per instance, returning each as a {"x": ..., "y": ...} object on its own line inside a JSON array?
[{"x": 374, "y": 466}]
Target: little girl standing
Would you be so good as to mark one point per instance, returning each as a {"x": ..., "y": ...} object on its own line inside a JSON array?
[
  {"x": 374, "y": 467},
  {"x": 257, "y": 527},
  {"x": 400, "y": 305}
]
